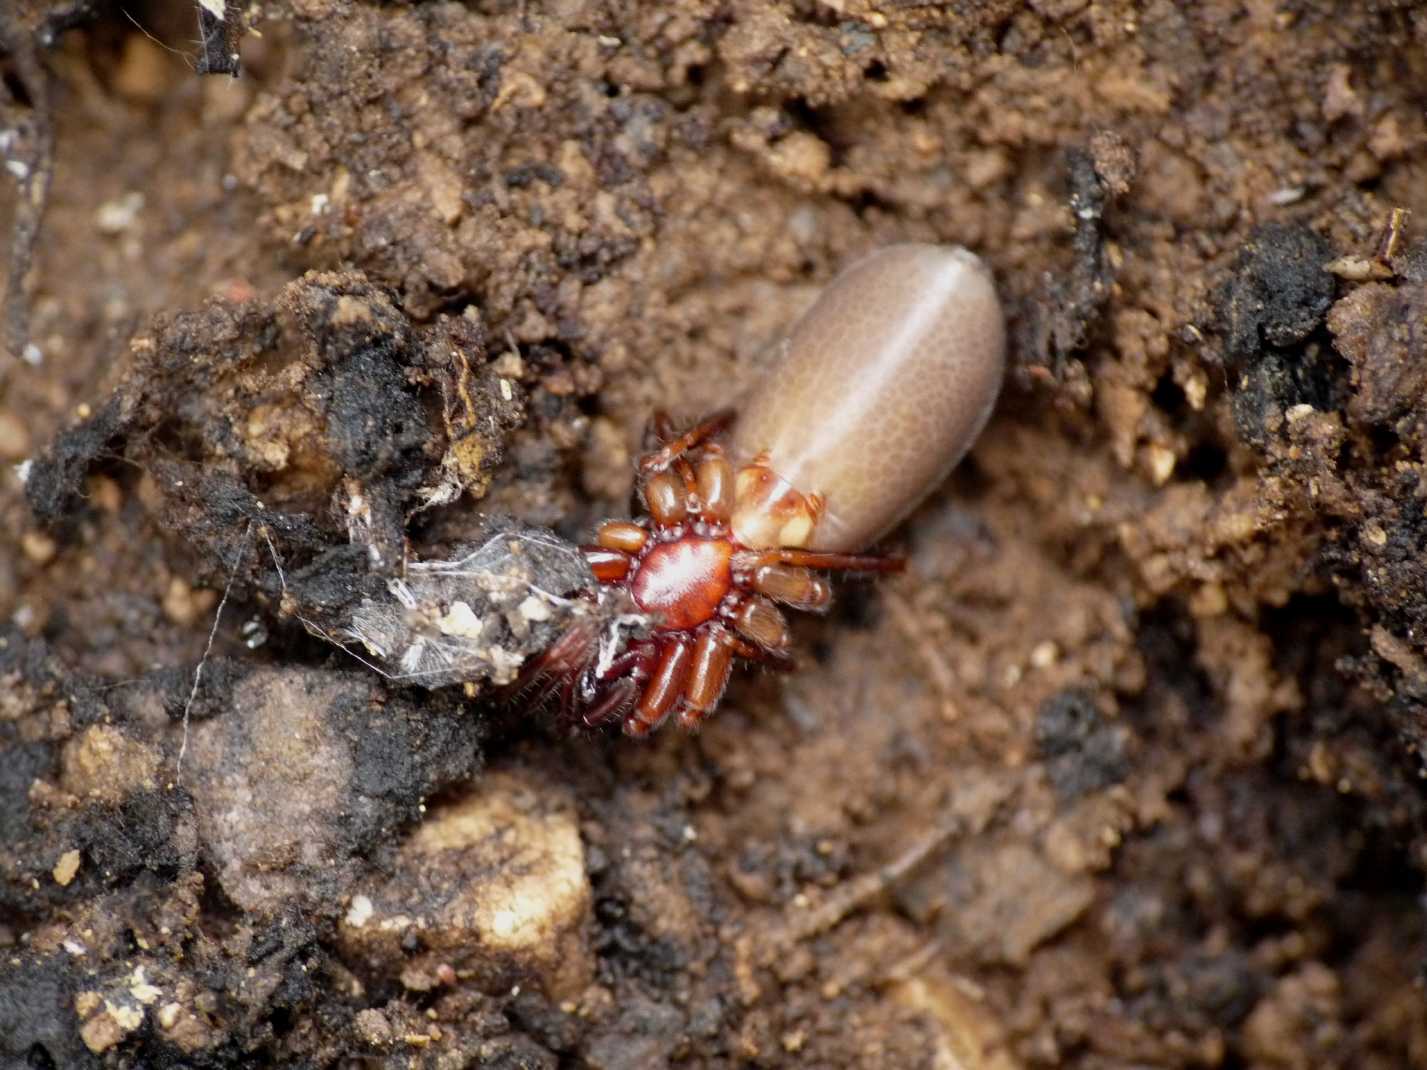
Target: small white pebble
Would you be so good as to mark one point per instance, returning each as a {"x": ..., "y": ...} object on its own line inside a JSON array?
[
  {"x": 1161, "y": 464},
  {"x": 32, "y": 355},
  {"x": 118, "y": 215},
  {"x": 66, "y": 868},
  {"x": 140, "y": 988},
  {"x": 125, "y": 1017},
  {"x": 460, "y": 620},
  {"x": 534, "y": 609},
  {"x": 1045, "y": 654},
  {"x": 360, "y": 912}
]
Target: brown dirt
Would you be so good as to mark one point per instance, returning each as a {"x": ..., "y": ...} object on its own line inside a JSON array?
[{"x": 1125, "y": 771}]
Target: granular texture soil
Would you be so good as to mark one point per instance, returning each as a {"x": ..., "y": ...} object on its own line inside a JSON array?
[{"x": 1126, "y": 770}]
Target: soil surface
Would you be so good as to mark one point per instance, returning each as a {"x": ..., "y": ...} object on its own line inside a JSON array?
[{"x": 1126, "y": 770}]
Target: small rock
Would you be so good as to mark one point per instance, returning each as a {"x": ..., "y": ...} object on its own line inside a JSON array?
[
  {"x": 502, "y": 892},
  {"x": 373, "y": 1028},
  {"x": 14, "y": 437},
  {"x": 38, "y": 547},
  {"x": 107, "y": 1023},
  {"x": 66, "y": 868},
  {"x": 103, "y": 763}
]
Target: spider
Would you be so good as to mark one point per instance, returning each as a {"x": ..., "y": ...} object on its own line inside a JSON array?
[
  {"x": 690, "y": 567},
  {"x": 877, "y": 392}
]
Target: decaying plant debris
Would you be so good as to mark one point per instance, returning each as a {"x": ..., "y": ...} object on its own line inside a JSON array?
[{"x": 1124, "y": 771}]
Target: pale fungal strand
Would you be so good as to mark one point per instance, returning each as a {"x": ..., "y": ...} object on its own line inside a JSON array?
[{"x": 878, "y": 391}]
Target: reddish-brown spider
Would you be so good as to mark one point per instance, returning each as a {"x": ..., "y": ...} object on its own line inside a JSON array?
[
  {"x": 701, "y": 567},
  {"x": 878, "y": 390}
]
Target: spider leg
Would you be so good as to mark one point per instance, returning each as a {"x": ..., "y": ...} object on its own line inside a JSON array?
[
  {"x": 661, "y": 424},
  {"x": 562, "y": 661},
  {"x": 660, "y": 460},
  {"x": 667, "y": 683},
  {"x": 759, "y": 621},
  {"x": 667, "y": 499},
  {"x": 708, "y": 675},
  {"x": 623, "y": 535},
  {"x": 748, "y": 652},
  {"x": 800, "y": 588},
  {"x": 749, "y": 559},
  {"x": 686, "y": 473},
  {"x": 612, "y": 703},
  {"x": 569, "y": 697},
  {"x": 609, "y": 566},
  {"x": 715, "y": 485}
]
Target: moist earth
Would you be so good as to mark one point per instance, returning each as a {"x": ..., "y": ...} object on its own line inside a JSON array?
[{"x": 1125, "y": 770}]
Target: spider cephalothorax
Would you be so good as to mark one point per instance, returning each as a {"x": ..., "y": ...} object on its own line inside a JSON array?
[{"x": 719, "y": 548}]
